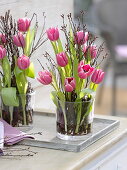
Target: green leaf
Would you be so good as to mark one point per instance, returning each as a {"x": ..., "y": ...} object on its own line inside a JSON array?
[
  {"x": 30, "y": 72},
  {"x": 86, "y": 91},
  {"x": 28, "y": 41},
  {"x": 62, "y": 75},
  {"x": 0, "y": 84},
  {"x": 54, "y": 47},
  {"x": 21, "y": 81},
  {"x": 53, "y": 96},
  {"x": 61, "y": 96},
  {"x": 75, "y": 72},
  {"x": 17, "y": 71},
  {"x": 60, "y": 48},
  {"x": 9, "y": 96},
  {"x": 6, "y": 71}
]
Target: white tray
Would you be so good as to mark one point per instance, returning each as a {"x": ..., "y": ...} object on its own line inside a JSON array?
[{"x": 46, "y": 123}]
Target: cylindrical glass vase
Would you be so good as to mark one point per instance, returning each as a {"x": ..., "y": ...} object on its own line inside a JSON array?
[
  {"x": 74, "y": 119},
  {"x": 19, "y": 115}
]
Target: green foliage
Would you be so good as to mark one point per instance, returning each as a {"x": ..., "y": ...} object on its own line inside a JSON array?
[
  {"x": 30, "y": 72},
  {"x": 86, "y": 91},
  {"x": 53, "y": 96},
  {"x": 60, "y": 48},
  {"x": 6, "y": 71},
  {"x": 54, "y": 47},
  {"x": 9, "y": 96},
  {"x": 28, "y": 41},
  {"x": 21, "y": 81},
  {"x": 75, "y": 72}
]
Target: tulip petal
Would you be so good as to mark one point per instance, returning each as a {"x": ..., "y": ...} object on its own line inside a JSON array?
[
  {"x": 82, "y": 75},
  {"x": 68, "y": 88}
]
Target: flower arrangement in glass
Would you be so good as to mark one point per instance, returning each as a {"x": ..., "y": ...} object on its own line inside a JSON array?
[
  {"x": 75, "y": 76},
  {"x": 17, "y": 44}
]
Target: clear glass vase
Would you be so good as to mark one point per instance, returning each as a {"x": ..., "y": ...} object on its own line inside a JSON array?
[
  {"x": 74, "y": 119},
  {"x": 19, "y": 115}
]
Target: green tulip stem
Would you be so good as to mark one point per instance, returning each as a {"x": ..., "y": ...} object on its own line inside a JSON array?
[
  {"x": 1, "y": 113},
  {"x": 64, "y": 114},
  {"x": 87, "y": 113},
  {"x": 54, "y": 86},
  {"x": 78, "y": 118},
  {"x": 54, "y": 45},
  {"x": 66, "y": 72},
  {"x": 23, "y": 100},
  {"x": 11, "y": 114}
]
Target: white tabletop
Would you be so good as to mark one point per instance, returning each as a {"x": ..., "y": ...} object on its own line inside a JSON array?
[{"x": 49, "y": 159}]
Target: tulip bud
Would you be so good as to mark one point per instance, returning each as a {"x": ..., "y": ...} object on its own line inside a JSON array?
[
  {"x": 19, "y": 40},
  {"x": 3, "y": 39},
  {"x": 62, "y": 59},
  {"x": 2, "y": 52},
  {"x": 84, "y": 70},
  {"x": 23, "y": 62},
  {"x": 98, "y": 76},
  {"x": 81, "y": 37},
  {"x": 45, "y": 77},
  {"x": 92, "y": 50},
  {"x": 23, "y": 24},
  {"x": 53, "y": 34},
  {"x": 69, "y": 84}
]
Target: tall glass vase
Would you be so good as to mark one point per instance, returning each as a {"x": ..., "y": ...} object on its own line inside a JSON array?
[{"x": 74, "y": 119}]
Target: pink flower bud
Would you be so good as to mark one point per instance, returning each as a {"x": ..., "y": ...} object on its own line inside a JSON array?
[
  {"x": 53, "y": 34},
  {"x": 81, "y": 37},
  {"x": 84, "y": 70},
  {"x": 97, "y": 76},
  {"x": 23, "y": 24},
  {"x": 2, "y": 52},
  {"x": 19, "y": 40},
  {"x": 45, "y": 77},
  {"x": 3, "y": 38},
  {"x": 91, "y": 49},
  {"x": 23, "y": 62},
  {"x": 62, "y": 59},
  {"x": 69, "y": 84}
]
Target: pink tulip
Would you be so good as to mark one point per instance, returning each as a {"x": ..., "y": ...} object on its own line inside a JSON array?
[
  {"x": 19, "y": 40},
  {"x": 81, "y": 64},
  {"x": 53, "y": 34},
  {"x": 84, "y": 70},
  {"x": 2, "y": 38},
  {"x": 23, "y": 62},
  {"x": 81, "y": 37},
  {"x": 23, "y": 24},
  {"x": 45, "y": 77},
  {"x": 62, "y": 59},
  {"x": 98, "y": 76},
  {"x": 69, "y": 84},
  {"x": 92, "y": 50},
  {"x": 2, "y": 52}
]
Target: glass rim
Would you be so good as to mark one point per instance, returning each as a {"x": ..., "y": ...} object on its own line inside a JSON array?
[{"x": 91, "y": 100}]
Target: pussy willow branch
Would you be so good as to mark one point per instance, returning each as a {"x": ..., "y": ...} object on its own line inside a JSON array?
[
  {"x": 100, "y": 50},
  {"x": 41, "y": 40}
]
